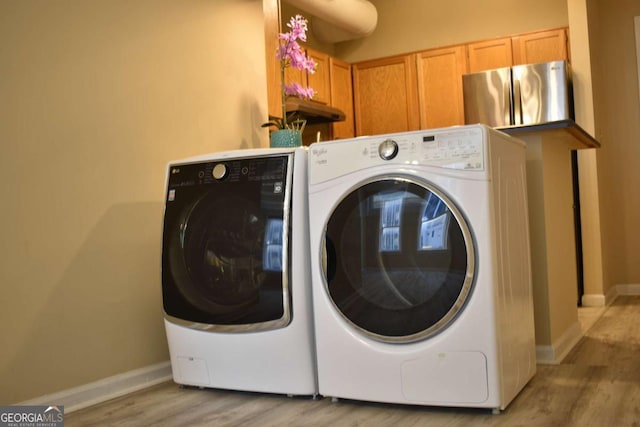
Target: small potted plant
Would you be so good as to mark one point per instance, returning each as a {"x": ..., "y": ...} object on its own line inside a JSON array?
[{"x": 289, "y": 129}]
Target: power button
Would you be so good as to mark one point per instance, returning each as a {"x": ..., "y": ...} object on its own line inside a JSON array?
[
  {"x": 220, "y": 171},
  {"x": 388, "y": 149}
]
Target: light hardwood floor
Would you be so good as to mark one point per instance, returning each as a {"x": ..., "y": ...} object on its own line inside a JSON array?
[{"x": 598, "y": 384}]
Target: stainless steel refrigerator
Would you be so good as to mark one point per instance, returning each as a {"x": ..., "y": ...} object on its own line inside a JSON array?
[{"x": 521, "y": 95}]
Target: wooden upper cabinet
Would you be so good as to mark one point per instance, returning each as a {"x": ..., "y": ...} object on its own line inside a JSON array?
[
  {"x": 440, "y": 86},
  {"x": 490, "y": 54},
  {"x": 386, "y": 95},
  {"x": 320, "y": 80},
  {"x": 542, "y": 46},
  {"x": 293, "y": 75},
  {"x": 342, "y": 97}
]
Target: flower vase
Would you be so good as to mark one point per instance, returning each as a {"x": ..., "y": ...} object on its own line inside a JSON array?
[{"x": 286, "y": 138}]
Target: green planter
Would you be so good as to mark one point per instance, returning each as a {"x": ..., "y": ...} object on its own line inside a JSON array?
[{"x": 286, "y": 138}]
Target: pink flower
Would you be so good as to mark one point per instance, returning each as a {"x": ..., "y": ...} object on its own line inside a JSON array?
[
  {"x": 311, "y": 65},
  {"x": 291, "y": 54},
  {"x": 296, "y": 89},
  {"x": 298, "y": 27}
]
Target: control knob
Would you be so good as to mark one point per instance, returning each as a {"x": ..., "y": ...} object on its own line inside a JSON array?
[{"x": 388, "y": 149}]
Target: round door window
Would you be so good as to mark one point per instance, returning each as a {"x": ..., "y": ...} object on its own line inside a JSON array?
[
  {"x": 222, "y": 253},
  {"x": 399, "y": 259},
  {"x": 226, "y": 260}
]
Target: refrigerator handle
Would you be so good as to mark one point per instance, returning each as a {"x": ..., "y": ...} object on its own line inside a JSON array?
[
  {"x": 508, "y": 103},
  {"x": 517, "y": 103}
]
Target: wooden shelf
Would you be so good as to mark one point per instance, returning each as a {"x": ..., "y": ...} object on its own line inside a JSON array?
[
  {"x": 314, "y": 112},
  {"x": 565, "y": 131}
]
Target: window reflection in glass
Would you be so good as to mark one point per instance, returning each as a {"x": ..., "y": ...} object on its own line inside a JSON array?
[
  {"x": 272, "y": 252},
  {"x": 397, "y": 259},
  {"x": 390, "y": 224},
  {"x": 434, "y": 225}
]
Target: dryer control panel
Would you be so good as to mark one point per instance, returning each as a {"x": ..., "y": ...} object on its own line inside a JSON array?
[
  {"x": 454, "y": 150},
  {"x": 458, "y": 148}
]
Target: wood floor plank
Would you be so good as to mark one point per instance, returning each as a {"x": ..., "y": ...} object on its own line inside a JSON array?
[{"x": 598, "y": 384}]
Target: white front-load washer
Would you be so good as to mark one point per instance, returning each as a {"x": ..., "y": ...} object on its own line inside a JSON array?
[
  {"x": 420, "y": 266},
  {"x": 236, "y": 274}
]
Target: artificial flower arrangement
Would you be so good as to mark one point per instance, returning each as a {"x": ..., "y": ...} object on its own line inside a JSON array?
[{"x": 290, "y": 54}]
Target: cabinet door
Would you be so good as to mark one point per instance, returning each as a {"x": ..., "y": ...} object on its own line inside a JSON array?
[
  {"x": 440, "y": 86},
  {"x": 385, "y": 95},
  {"x": 489, "y": 54},
  {"x": 342, "y": 97},
  {"x": 541, "y": 46},
  {"x": 293, "y": 75},
  {"x": 320, "y": 80}
]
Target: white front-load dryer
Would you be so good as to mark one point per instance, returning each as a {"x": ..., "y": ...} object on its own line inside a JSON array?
[
  {"x": 420, "y": 267},
  {"x": 235, "y": 272}
]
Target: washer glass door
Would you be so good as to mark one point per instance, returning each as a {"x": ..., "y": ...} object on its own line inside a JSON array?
[
  {"x": 225, "y": 244},
  {"x": 399, "y": 259}
]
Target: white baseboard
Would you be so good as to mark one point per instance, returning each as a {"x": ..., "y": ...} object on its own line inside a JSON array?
[
  {"x": 600, "y": 300},
  {"x": 555, "y": 353},
  {"x": 593, "y": 300},
  {"x": 100, "y": 391},
  {"x": 611, "y": 295},
  {"x": 630, "y": 289}
]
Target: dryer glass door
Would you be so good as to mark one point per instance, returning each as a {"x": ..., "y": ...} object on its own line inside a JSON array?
[
  {"x": 399, "y": 259},
  {"x": 225, "y": 244}
]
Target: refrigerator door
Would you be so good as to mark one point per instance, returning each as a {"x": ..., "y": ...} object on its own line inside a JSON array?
[
  {"x": 487, "y": 97},
  {"x": 542, "y": 93}
]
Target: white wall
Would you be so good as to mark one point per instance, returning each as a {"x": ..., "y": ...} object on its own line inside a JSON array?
[
  {"x": 96, "y": 98},
  {"x": 411, "y": 25}
]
